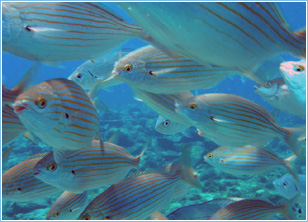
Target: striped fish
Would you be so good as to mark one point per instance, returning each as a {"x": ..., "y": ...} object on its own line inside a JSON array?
[
  {"x": 247, "y": 160},
  {"x": 295, "y": 75},
  {"x": 101, "y": 164},
  {"x": 200, "y": 211},
  {"x": 63, "y": 31},
  {"x": 251, "y": 209},
  {"x": 133, "y": 199},
  {"x": 11, "y": 125},
  {"x": 19, "y": 184},
  {"x": 167, "y": 127},
  {"x": 68, "y": 206},
  {"x": 95, "y": 71},
  {"x": 139, "y": 197},
  {"x": 9, "y": 95},
  {"x": 164, "y": 104},
  {"x": 151, "y": 70},
  {"x": 60, "y": 113},
  {"x": 231, "y": 120},
  {"x": 231, "y": 34}
]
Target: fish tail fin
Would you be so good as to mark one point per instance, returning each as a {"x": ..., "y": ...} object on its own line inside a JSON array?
[
  {"x": 189, "y": 175},
  {"x": 294, "y": 209},
  {"x": 147, "y": 145},
  {"x": 26, "y": 80},
  {"x": 159, "y": 46},
  {"x": 296, "y": 139},
  {"x": 301, "y": 34},
  {"x": 289, "y": 164}
]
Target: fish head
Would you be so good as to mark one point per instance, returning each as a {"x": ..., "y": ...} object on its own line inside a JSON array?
[
  {"x": 85, "y": 75},
  {"x": 193, "y": 110},
  {"x": 294, "y": 73},
  {"x": 271, "y": 90},
  {"x": 214, "y": 158},
  {"x": 36, "y": 108},
  {"x": 130, "y": 69},
  {"x": 48, "y": 170},
  {"x": 286, "y": 186},
  {"x": 164, "y": 126},
  {"x": 12, "y": 24}
]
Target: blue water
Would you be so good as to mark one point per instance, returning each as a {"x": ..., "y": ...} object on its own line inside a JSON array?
[{"x": 137, "y": 122}]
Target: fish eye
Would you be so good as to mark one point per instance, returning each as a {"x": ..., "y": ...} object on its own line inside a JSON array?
[
  {"x": 166, "y": 123},
  {"x": 128, "y": 68},
  {"x": 299, "y": 68},
  {"x": 42, "y": 103},
  {"x": 79, "y": 75},
  {"x": 86, "y": 217},
  {"x": 70, "y": 210},
  {"x": 192, "y": 106},
  {"x": 19, "y": 189},
  {"x": 107, "y": 217},
  {"x": 195, "y": 176},
  {"x": 210, "y": 155},
  {"x": 284, "y": 184},
  {"x": 57, "y": 213},
  {"x": 52, "y": 167}
]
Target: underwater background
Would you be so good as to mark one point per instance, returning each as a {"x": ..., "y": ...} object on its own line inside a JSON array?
[{"x": 136, "y": 122}]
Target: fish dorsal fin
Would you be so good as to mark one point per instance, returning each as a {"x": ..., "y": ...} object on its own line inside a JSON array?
[{"x": 36, "y": 156}]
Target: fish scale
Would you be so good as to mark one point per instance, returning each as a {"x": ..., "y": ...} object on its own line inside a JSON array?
[
  {"x": 101, "y": 164},
  {"x": 69, "y": 115},
  {"x": 20, "y": 185}
]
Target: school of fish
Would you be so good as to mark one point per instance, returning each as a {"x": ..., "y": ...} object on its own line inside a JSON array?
[{"x": 193, "y": 46}]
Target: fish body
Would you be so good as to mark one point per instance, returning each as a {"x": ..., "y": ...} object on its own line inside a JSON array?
[
  {"x": 231, "y": 120},
  {"x": 20, "y": 185},
  {"x": 230, "y": 34},
  {"x": 288, "y": 187},
  {"x": 295, "y": 75},
  {"x": 68, "y": 206},
  {"x": 11, "y": 125},
  {"x": 149, "y": 69},
  {"x": 167, "y": 127},
  {"x": 101, "y": 164},
  {"x": 164, "y": 104},
  {"x": 63, "y": 31},
  {"x": 96, "y": 70},
  {"x": 246, "y": 160},
  {"x": 251, "y": 209},
  {"x": 200, "y": 211},
  {"x": 61, "y": 109},
  {"x": 279, "y": 96},
  {"x": 133, "y": 199}
]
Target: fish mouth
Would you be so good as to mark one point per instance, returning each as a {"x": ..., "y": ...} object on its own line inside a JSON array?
[
  {"x": 20, "y": 106},
  {"x": 36, "y": 172},
  {"x": 257, "y": 87}
]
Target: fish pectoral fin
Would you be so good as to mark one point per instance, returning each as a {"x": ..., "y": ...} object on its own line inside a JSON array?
[
  {"x": 163, "y": 71},
  {"x": 31, "y": 137},
  {"x": 214, "y": 119}
]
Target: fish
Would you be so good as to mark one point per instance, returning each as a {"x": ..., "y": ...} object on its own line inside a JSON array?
[
  {"x": 5, "y": 155},
  {"x": 168, "y": 127},
  {"x": 230, "y": 34},
  {"x": 19, "y": 184},
  {"x": 149, "y": 69},
  {"x": 288, "y": 187},
  {"x": 62, "y": 110},
  {"x": 11, "y": 125},
  {"x": 53, "y": 32},
  {"x": 251, "y": 209},
  {"x": 164, "y": 104},
  {"x": 248, "y": 160},
  {"x": 68, "y": 206},
  {"x": 136, "y": 198},
  {"x": 200, "y": 211},
  {"x": 278, "y": 95},
  {"x": 9, "y": 95},
  {"x": 294, "y": 74},
  {"x": 231, "y": 120},
  {"x": 100, "y": 164},
  {"x": 96, "y": 71}
]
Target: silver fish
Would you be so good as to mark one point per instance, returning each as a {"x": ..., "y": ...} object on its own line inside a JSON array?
[
  {"x": 280, "y": 97},
  {"x": 63, "y": 31},
  {"x": 231, "y": 34}
]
